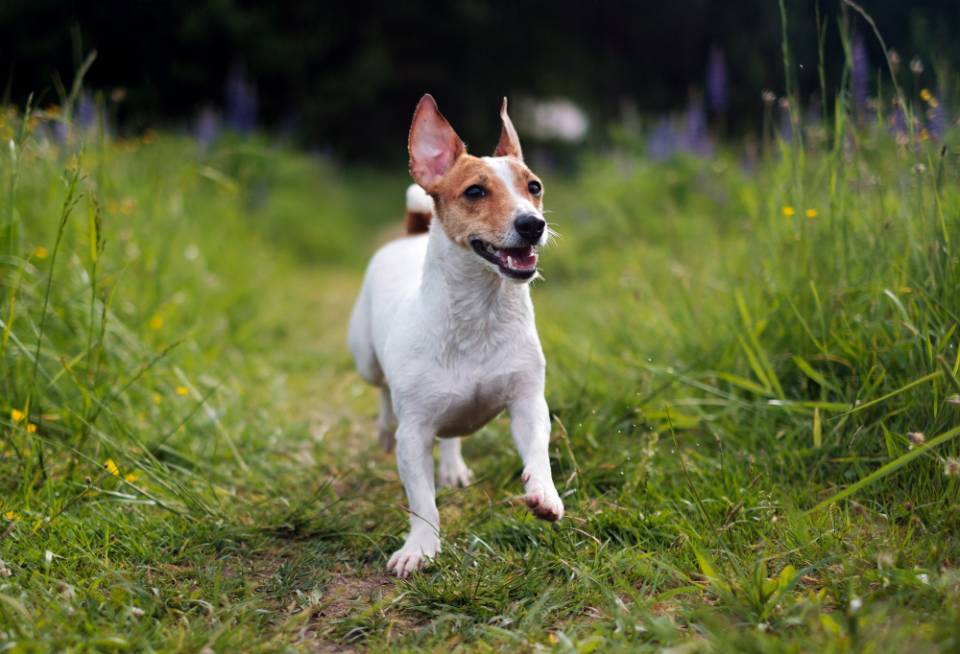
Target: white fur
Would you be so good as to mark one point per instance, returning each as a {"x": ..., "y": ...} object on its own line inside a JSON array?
[
  {"x": 418, "y": 200},
  {"x": 451, "y": 343},
  {"x": 502, "y": 169}
]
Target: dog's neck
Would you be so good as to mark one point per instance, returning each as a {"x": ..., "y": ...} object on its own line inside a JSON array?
[{"x": 472, "y": 302}]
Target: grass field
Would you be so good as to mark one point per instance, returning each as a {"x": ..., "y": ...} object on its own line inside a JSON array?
[{"x": 753, "y": 376}]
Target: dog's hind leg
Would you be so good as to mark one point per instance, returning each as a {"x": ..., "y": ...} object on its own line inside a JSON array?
[
  {"x": 387, "y": 422},
  {"x": 453, "y": 471}
]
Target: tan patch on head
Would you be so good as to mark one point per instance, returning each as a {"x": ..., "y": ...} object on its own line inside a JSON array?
[{"x": 488, "y": 218}]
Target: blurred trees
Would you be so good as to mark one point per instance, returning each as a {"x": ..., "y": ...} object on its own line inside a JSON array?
[{"x": 344, "y": 77}]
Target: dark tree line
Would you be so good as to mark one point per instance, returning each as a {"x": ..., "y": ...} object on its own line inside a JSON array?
[{"x": 344, "y": 76}]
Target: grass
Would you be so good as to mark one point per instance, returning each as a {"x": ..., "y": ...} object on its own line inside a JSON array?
[{"x": 189, "y": 462}]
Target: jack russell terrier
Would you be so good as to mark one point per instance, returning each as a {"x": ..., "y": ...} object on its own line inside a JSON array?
[{"x": 444, "y": 323}]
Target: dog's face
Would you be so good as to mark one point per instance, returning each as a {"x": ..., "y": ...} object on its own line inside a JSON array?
[{"x": 492, "y": 207}]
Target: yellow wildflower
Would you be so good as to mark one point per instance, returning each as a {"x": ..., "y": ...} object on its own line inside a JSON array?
[
  {"x": 11, "y": 515},
  {"x": 17, "y": 415},
  {"x": 182, "y": 390},
  {"x": 924, "y": 134},
  {"x": 156, "y": 323},
  {"x": 31, "y": 428},
  {"x": 131, "y": 477},
  {"x": 41, "y": 252},
  {"x": 810, "y": 213},
  {"x": 925, "y": 95},
  {"x": 157, "y": 399},
  {"x": 111, "y": 467},
  {"x": 787, "y": 211}
]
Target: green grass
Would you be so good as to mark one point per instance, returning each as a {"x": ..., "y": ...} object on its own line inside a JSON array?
[{"x": 733, "y": 391}]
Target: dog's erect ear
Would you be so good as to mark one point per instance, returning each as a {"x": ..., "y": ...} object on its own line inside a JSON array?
[
  {"x": 432, "y": 144},
  {"x": 509, "y": 145}
]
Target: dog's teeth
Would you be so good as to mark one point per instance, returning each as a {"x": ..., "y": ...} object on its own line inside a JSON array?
[{"x": 509, "y": 261}]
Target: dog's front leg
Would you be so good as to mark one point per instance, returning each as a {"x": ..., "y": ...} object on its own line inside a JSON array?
[
  {"x": 415, "y": 463},
  {"x": 530, "y": 422}
]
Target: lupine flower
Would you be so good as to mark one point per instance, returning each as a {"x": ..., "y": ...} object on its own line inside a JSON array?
[
  {"x": 898, "y": 123},
  {"x": 717, "y": 84},
  {"x": 695, "y": 135},
  {"x": 86, "y": 114},
  {"x": 859, "y": 73},
  {"x": 936, "y": 118},
  {"x": 207, "y": 128},
  {"x": 662, "y": 141},
  {"x": 786, "y": 121},
  {"x": 241, "y": 101}
]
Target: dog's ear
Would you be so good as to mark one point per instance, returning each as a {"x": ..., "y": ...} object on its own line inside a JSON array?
[
  {"x": 432, "y": 144},
  {"x": 509, "y": 145}
]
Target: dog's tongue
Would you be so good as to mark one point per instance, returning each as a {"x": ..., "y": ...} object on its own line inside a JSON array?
[{"x": 518, "y": 258}]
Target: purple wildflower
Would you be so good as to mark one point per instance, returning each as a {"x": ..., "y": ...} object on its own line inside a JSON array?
[
  {"x": 898, "y": 123},
  {"x": 207, "y": 128},
  {"x": 662, "y": 142},
  {"x": 786, "y": 120},
  {"x": 695, "y": 137},
  {"x": 717, "y": 82},
  {"x": 859, "y": 74},
  {"x": 241, "y": 97},
  {"x": 85, "y": 116},
  {"x": 936, "y": 121}
]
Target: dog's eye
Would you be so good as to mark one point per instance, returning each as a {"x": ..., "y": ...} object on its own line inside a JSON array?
[
  {"x": 534, "y": 187},
  {"x": 475, "y": 192}
]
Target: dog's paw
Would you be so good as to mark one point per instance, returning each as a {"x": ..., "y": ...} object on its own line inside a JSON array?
[
  {"x": 543, "y": 499},
  {"x": 414, "y": 555},
  {"x": 454, "y": 474}
]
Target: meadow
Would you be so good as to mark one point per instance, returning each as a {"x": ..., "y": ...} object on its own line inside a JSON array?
[{"x": 752, "y": 370}]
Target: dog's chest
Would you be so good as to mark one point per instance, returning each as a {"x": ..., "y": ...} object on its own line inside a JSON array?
[{"x": 465, "y": 402}]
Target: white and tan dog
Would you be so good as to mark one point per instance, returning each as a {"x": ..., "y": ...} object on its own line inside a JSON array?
[{"x": 444, "y": 323}]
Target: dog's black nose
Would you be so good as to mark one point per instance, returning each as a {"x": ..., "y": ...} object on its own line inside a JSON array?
[{"x": 529, "y": 227}]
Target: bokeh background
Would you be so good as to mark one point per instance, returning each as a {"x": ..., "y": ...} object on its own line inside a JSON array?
[
  {"x": 342, "y": 78},
  {"x": 750, "y": 316}
]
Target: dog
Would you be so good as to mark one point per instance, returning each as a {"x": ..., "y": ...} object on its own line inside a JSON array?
[{"x": 444, "y": 324}]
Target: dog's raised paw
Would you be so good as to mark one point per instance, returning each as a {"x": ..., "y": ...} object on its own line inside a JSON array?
[{"x": 543, "y": 501}]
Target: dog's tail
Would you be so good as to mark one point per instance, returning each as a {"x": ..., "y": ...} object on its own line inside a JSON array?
[{"x": 419, "y": 210}]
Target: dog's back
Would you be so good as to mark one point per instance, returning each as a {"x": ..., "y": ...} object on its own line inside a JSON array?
[{"x": 392, "y": 277}]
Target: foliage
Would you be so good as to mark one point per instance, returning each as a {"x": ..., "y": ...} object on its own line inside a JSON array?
[{"x": 753, "y": 374}]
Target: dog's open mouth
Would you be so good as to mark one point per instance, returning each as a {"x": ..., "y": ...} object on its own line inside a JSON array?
[{"x": 519, "y": 263}]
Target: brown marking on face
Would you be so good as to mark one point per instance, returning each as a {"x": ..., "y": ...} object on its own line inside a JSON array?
[{"x": 488, "y": 218}]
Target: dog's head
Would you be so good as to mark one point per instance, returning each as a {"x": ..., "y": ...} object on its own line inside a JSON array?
[{"x": 490, "y": 206}]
